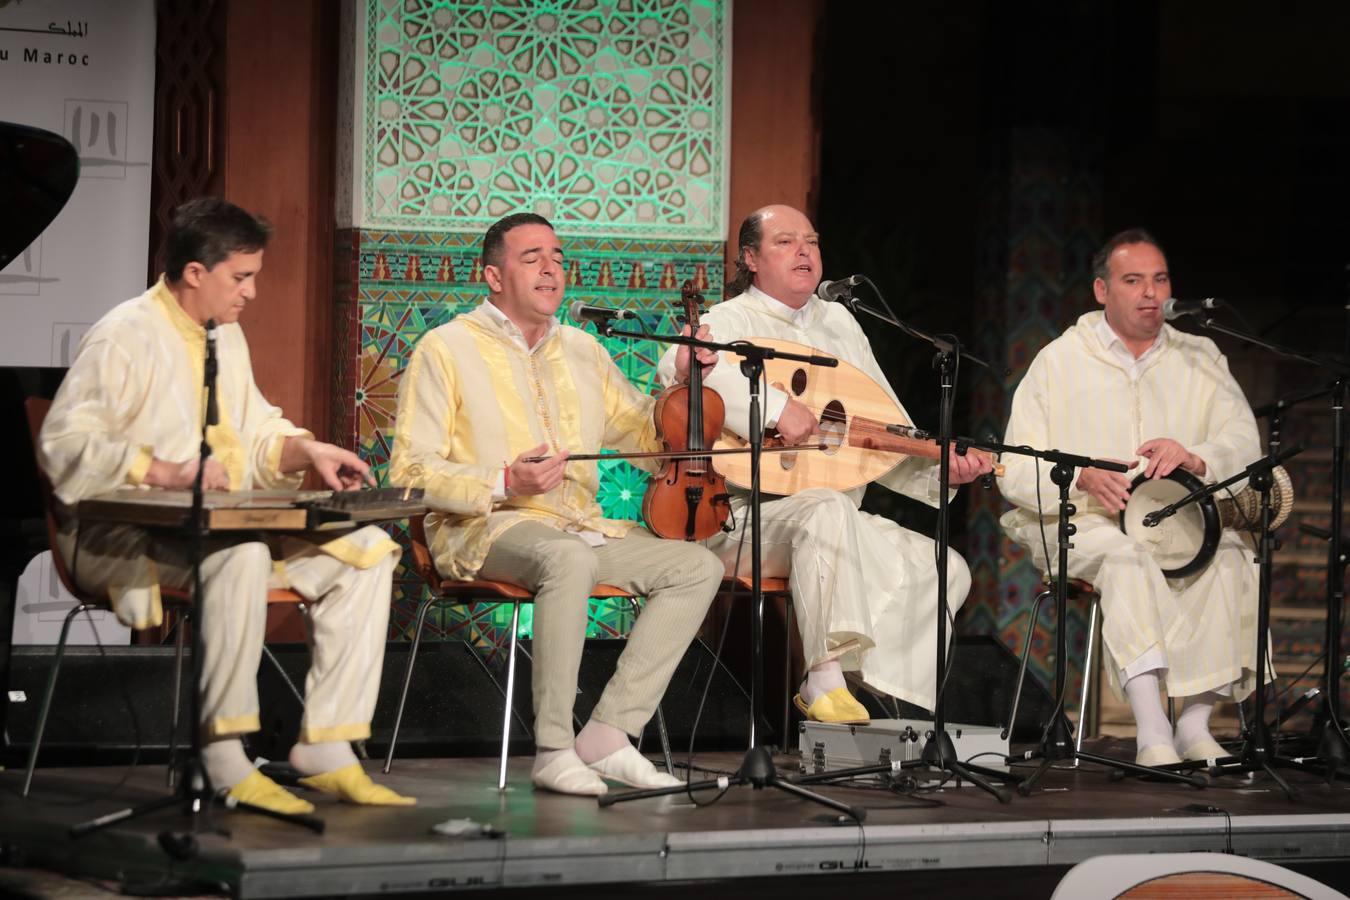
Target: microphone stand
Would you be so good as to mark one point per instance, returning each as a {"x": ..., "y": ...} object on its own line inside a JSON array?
[
  {"x": 1257, "y": 752},
  {"x": 194, "y": 786},
  {"x": 757, "y": 768},
  {"x": 939, "y": 753},
  {"x": 1333, "y": 744}
]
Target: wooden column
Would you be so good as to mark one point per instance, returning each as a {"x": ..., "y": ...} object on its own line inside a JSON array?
[
  {"x": 281, "y": 73},
  {"x": 775, "y": 120}
]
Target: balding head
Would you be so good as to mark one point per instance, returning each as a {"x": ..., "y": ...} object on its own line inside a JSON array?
[{"x": 779, "y": 252}]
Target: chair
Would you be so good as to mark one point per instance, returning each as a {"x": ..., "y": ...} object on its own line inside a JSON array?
[
  {"x": 36, "y": 409},
  {"x": 445, "y": 591},
  {"x": 1077, "y": 589}
]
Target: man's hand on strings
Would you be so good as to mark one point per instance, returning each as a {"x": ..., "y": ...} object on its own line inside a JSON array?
[
  {"x": 181, "y": 476},
  {"x": 1166, "y": 456},
  {"x": 1112, "y": 489},
  {"x": 530, "y": 478},
  {"x": 341, "y": 470},
  {"x": 796, "y": 423},
  {"x": 707, "y": 357},
  {"x": 965, "y": 469}
]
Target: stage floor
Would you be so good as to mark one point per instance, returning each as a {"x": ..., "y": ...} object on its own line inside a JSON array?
[{"x": 746, "y": 838}]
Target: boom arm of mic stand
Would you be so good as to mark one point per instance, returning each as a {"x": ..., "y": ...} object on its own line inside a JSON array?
[
  {"x": 740, "y": 348},
  {"x": 1334, "y": 365},
  {"x": 940, "y": 344},
  {"x": 1051, "y": 456},
  {"x": 1263, "y": 464}
]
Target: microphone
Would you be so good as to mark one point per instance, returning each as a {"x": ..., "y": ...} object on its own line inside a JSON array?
[
  {"x": 909, "y": 431},
  {"x": 209, "y": 374},
  {"x": 580, "y": 312},
  {"x": 1175, "y": 309},
  {"x": 839, "y": 290}
]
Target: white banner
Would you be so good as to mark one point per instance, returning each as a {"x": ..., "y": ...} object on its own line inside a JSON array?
[{"x": 84, "y": 69}]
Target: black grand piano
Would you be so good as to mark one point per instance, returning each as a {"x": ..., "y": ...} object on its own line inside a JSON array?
[{"x": 38, "y": 172}]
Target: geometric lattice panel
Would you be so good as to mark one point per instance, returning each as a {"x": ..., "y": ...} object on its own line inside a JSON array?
[
  {"x": 399, "y": 285},
  {"x": 607, "y": 116}
]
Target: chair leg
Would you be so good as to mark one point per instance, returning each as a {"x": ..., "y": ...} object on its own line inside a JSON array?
[
  {"x": 48, "y": 694},
  {"x": 180, "y": 630},
  {"x": 422, "y": 609},
  {"x": 787, "y": 670},
  {"x": 276, "y": 664},
  {"x": 510, "y": 696},
  {"x": 496, "y": 682},
  {"x": 1094, "y": 625},
  {"x": 1032, "y": 617}
]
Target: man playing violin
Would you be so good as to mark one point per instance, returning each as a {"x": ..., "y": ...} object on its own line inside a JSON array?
[
  {"x": 1122, "y": 384},
  {"x": 483, "y": 398},
  {"x": 864, "y": 588}
]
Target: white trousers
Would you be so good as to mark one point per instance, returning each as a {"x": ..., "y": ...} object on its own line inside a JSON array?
[
  {"x": 858, "y": 577},
  {"x": 349, "y": 618},
  {"x": 1201, "y": 629}
]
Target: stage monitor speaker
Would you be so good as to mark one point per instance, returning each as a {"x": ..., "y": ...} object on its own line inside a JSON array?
[
  {"x": 454, "y": 708},
  {"x": 104, "y": 706},
  {"x": 979, "y": 690}
]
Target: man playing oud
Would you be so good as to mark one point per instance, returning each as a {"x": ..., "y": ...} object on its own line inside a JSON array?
[{"x": 864, "y": 588}]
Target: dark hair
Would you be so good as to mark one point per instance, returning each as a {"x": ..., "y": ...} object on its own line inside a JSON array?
[
  {"x": 207, "y": 230},
  {"x": 749, "y": 238},
  {"x": 1101, "y": 259},
  {"x": 495, "y": 238}
]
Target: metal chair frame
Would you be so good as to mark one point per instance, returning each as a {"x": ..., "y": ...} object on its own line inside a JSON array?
[{"x": 1079, "y": 588}]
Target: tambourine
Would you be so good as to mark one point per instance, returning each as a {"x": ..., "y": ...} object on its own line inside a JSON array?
[{"x": 1184, "y": 543}]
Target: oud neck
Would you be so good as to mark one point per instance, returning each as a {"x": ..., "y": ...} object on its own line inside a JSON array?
[{"x": 869, "y": 434}]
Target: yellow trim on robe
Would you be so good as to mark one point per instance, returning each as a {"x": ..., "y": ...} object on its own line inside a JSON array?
[
  {"x": 272, "y": 461},
  {"x": 140, "y": 466},
  {"x": 346, "y": 550},
  {"x": 352, "y": 732},
  {"x": 125, "y": 597},
  {"x": 232, "y": 727},
  {"x": 224, "y": 440}
]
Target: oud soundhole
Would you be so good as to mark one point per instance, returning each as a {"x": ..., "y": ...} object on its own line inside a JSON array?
[
  {"x": 833, "y": 427},
  {"x": 799, "y": 382}
]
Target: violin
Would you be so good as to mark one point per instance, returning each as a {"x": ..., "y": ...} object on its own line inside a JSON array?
[{"x": 688, "y": 499}]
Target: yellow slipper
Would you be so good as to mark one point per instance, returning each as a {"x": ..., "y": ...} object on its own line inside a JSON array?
[
  {"x": 352, "y": 784},
  {"x": 258, "y": 790},
  {"x": 837, "y": 706}
]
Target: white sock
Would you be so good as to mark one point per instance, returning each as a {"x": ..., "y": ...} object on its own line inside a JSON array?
[
  {"x": 225, "y": 762},
  {"x": 596, "y": 740},
  {"x": 1193, "y": 723},
  {"x": 821, "y": 679},
  {"x": 315, "y": 759},
  {"x": 1153, "y": 727}
]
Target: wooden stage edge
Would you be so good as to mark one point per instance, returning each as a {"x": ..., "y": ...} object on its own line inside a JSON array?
[{"x": 747, "y": 838}]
